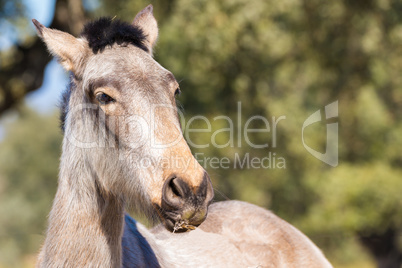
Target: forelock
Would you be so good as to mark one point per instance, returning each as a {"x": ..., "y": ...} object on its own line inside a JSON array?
[{"x": 106, "y": 31}]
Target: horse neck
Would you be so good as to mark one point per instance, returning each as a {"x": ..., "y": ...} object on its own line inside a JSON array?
[{"x": 85, "y": 224}]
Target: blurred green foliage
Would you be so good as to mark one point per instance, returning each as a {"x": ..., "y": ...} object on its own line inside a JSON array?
[
  {"x": 278, "y": 58},
  {"x": 29, "y": 159}
]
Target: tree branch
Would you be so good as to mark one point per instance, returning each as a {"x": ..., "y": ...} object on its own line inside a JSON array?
[{"x": 25, "y": 74}]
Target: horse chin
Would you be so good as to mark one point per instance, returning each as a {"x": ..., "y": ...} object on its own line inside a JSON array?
[
  {"x": 180, "y": 226},
  {"x": 177, "y": 222}
]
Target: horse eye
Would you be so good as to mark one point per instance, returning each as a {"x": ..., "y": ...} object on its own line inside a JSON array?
[
  {"x": 104, "y": 98},
  {"x": 177, "y": 92}
]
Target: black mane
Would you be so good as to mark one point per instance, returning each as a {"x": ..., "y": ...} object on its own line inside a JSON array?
[{"x": 107, "y": 31}]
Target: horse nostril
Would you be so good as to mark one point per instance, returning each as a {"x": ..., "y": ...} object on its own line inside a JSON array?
[
  {"x": 175, "y": 187},
  {"x": 174, "y": 192}
]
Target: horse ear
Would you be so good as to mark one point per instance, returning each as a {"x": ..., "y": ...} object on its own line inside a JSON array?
[
  {"x": 147, "y": 22},
  {"x": 64, "y": 46}
]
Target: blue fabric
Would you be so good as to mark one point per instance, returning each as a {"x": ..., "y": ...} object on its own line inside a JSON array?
[{"x": 136, "y": 250}]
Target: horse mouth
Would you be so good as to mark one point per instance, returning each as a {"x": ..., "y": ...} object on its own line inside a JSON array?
[
  {"x": 175, "y": 223},
  {"x": 182, "y": 226}
]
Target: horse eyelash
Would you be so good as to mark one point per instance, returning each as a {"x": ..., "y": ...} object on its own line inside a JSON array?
[
  {"x": 177, "y": 92},
  {"x": 110, "y": 99}
]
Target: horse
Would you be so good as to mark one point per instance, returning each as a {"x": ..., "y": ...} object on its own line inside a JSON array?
[{"x": 121, "y": 131}]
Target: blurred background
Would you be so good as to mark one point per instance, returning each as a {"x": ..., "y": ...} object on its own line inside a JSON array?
[{"x": 288, "y": 57}]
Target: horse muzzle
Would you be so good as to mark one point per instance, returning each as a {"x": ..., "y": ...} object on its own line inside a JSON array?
[{"x": 184, "y": 207}]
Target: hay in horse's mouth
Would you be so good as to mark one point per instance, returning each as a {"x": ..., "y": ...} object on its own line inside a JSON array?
[{"x": 183, "y": 224}]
